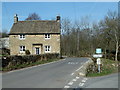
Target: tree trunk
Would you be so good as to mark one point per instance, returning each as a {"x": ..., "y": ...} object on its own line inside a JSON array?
[
  {"x": 116, "y": 54},
  {"x": 78, "y": 43},
  {"x": 105, "y": 53}
]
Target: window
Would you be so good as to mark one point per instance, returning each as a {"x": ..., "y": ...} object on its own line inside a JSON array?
[
  {"x": 37, "y": 51},
  {"x": 47, "y": 48},
  {"x": 22, "y": 48},
  {"x": 21, "y": 37},
  {"x": 47, "y": 36}
]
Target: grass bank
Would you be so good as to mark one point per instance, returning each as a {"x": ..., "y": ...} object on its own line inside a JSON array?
[
  {"x": 15, "y": 67},
  {"x": 107, "y": 67}
]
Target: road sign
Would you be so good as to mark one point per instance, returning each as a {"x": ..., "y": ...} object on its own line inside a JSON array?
[
  {"x": 97, "y": 55},
  {"x": 98, "y": 61},
  {"x": 98, "y": 50}
]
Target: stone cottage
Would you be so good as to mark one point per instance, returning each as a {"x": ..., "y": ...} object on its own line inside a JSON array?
[{"x": 37, "y": 36}]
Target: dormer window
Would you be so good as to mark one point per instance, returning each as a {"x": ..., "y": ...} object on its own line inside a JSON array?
[
  {"x": 21, "y": 37},
  {"x": 47, "y": 36}
]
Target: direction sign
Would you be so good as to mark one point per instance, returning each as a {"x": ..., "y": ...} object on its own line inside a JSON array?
[
  {"x": 98, "y": 50},
  {"x": 97, "y": 55}
]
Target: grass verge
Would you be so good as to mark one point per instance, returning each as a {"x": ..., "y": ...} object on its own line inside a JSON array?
[
  {"x": 15, "y": 67},
  {"x": 107, "y": 67}
]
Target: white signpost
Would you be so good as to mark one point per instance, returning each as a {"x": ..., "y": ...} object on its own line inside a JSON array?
[
  {"x": 98, "y": 63},
  {"x": 98, "y": 55}
]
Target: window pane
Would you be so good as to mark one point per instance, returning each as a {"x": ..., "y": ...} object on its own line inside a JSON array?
[
  {"x": 23, "y": 36},
  {"x": 45, "y": 35},
  {"x": 48, "y": 35},
  {"x": 20, "y": 36},
  {"x": 23, "y": 48},
  {"x": 48, "y": 48},
  {"x": 37, "y": 51},
  {"x": 20, "y": 48},
  {"x": 45, "y": 48}
]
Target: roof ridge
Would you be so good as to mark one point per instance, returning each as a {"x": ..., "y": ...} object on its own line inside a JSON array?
[{"x": 36, "y": 20}]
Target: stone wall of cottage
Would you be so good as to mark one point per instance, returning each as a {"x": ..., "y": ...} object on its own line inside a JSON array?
[{"x": 29, "y": 40}]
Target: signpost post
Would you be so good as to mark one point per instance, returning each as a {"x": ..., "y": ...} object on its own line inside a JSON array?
[
  {"x": 98, "y": 55},
  {"x": 98, "y": 63}
]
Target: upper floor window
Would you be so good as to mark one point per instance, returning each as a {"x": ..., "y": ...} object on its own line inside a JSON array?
[
  {"x": 21, "y": 36},
  {"x": 47, "y": 36}
]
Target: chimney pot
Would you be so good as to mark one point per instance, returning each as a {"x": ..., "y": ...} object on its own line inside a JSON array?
[
  {"x": 58, "y": 18},
  {"x": 15, "y": 18}
]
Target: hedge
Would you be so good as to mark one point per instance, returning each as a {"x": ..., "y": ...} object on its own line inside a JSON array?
[{"x": 16, "y": 60}]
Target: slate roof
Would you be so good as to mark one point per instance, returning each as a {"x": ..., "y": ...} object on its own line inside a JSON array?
[{"x": 35, "y": 27}]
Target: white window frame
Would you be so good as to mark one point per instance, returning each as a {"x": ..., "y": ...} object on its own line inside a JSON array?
[
  {"x": 47, "y": 36},
  {"x": 22, "y": 48},
  {"x": 47, "y": 48},
  {"x": 22, "y": 37}
]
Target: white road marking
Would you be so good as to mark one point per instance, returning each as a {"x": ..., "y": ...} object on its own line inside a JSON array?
[
  {"x": 81, "y": 84},
  {"x": 72, "y": 74},
  {"x": 66, "y": 86},
  {"x": 74, "y": 80},
  {"x": 79, "y": 68},
  {"x": 77, "y": 77},
  {"x": 70, "y": 83},
  {"x": 72, "y": 63},
  {"x": 83, "y": 80}
]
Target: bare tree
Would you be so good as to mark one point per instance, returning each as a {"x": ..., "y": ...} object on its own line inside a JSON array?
[
  {"x": 110, "y": 25},
  {"x": 33, "y": 16}
]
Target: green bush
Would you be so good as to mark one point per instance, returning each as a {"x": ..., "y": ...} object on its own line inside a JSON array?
[
  {"x": 27, "y": 52},
  {"x": 10, "y": 61}
]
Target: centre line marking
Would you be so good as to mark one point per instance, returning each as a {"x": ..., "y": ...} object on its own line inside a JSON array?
[
  {"x": 72, "y": 74},
  {"x": 70, "y": 83},
  {"x": 74, "y": 80},
  {"x": 83, "y": 80},
  {"x": 81, "y": 84},
  {"x": 66, "y": 86}
]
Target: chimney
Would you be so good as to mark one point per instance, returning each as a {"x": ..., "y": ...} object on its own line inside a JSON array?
[
  {"x": 58, "y": 18},
  {"x": 15, "y": 18}
]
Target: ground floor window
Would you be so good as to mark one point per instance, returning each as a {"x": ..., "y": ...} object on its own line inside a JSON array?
[
  {"x": 47, "y": 48},
  {"x": 22, "y": 48}
]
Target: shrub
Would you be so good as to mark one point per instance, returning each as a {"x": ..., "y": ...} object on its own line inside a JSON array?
[
  {"x": 27, "y": 52},
  {"x": 10, "y": 61}
]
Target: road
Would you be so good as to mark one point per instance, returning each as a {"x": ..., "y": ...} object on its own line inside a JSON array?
[
  {"x": 108, "y": 81},
  {"x": 54, "y": 75},
  {"x": 60, "y": 74}
]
